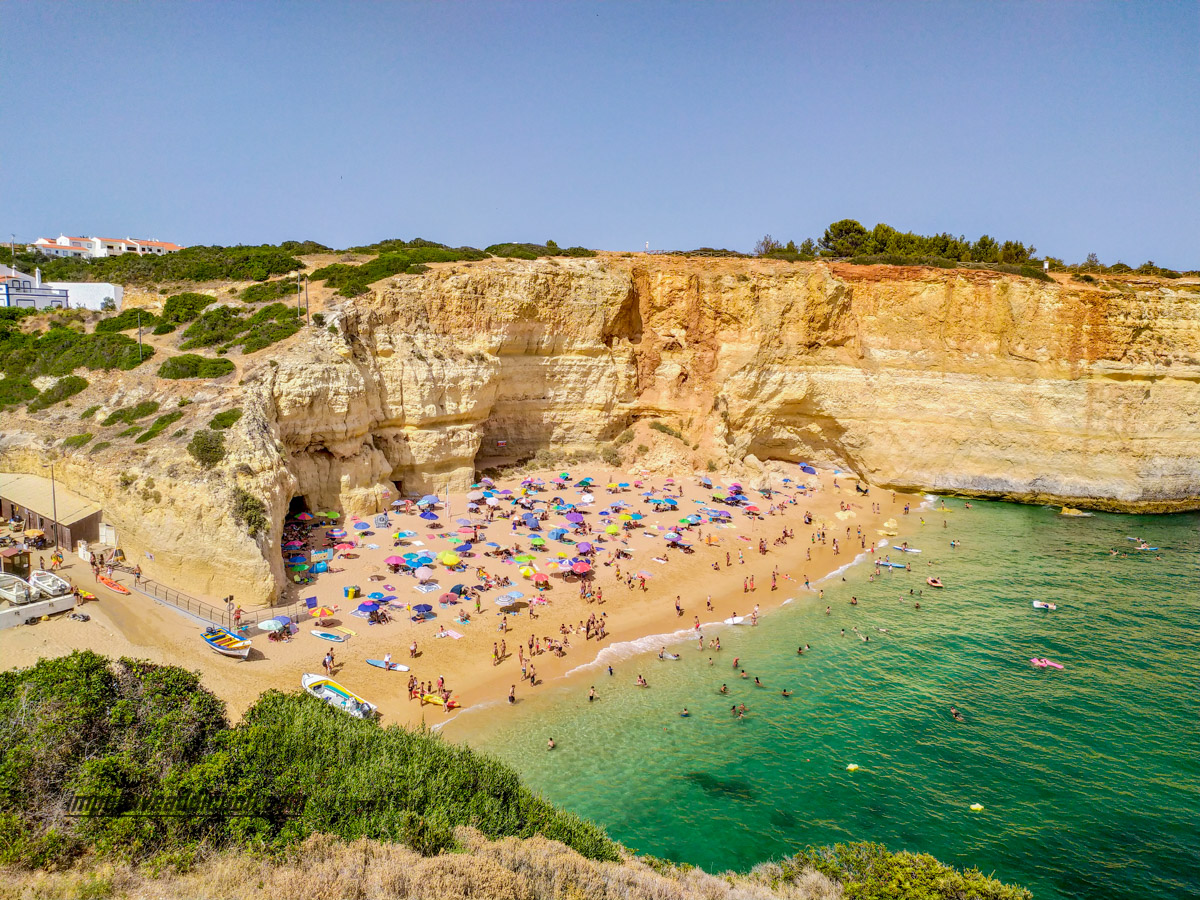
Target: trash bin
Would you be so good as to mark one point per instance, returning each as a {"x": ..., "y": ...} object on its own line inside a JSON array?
[{"x": 351, "y": 591}]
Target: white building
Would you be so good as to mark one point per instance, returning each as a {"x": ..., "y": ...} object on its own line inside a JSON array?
[
  {"x": 19, "y": 289},
  {"x": 97, "y": 247}
]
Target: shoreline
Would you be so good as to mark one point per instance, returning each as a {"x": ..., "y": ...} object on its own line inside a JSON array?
[
  {"x": 637, "y": 620},
  {"x": 462, "y": 726}
]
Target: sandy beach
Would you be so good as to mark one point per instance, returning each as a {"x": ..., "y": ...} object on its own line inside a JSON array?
[{"x": 725, "y": 559}]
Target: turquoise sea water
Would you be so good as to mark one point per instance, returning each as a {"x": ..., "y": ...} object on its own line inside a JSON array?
[{"x": 1089, "y": 776}]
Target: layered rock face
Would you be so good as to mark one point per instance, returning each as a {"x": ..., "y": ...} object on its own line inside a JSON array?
[
  {"x": 966, "y": 381},
  {"x": 974, "y": 382}
]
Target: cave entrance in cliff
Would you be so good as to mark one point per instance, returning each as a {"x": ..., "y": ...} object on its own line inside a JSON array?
[{"x": 297, "y": 506}]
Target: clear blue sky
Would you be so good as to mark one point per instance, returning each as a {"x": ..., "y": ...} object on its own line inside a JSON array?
[{"x": 1074, "y": 126}]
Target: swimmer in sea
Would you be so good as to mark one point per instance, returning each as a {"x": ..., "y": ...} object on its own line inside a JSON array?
[
  {"x": 685, "y": 713},
  {"x": 957, "y": 715},
  {"x": 786, "y": 693},
  {"x": 757, "y": 683},
  {"x": 550, "y": 744},
  {"x": 744, "y": 675},
  {"x": 724, "y": 689}
]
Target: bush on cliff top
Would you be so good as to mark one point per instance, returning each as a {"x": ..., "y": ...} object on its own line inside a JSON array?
[
  {"x": 207, "y": 448},
  {"x": 133, "y": 731},
  {"x": 534, "y": 251},
  {"x": 353, "y": 280}
]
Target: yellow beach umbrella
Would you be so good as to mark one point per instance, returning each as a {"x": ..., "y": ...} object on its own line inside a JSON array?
[
  {"x": 625, "y": 517},
  {"x": 527, "y": 571},
  {"x": 450, "y": 559},
  {"x": 612, "y": 529}
]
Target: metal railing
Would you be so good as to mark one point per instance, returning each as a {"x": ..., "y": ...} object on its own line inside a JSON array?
[{"x": 217, "y": 615}]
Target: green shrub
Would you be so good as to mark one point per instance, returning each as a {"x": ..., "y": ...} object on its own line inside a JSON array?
[
  {"x": 125, "y": 320},
  {"x": 227, "y": 329},
  {"x": 533, "y": 251},
  {"x": 610, "y": 455},
  {"x": 207, "y": 448},
  {"x": 224, "y": 420},
  {"x": 269, "y": 290},
  {"x": 180, "y": 433},
  {"x": 131, "y": 414},
  {"x": 90, "y": 411},
  {"x": 318, "y": 319},
  {"x": 641, "y": 449},
  {"x": 65, "y": 387},
  {"x": 134, "y": 731},
  {"x": 62, "y": 350},
  {"x": 666, "y": 429},
  {"x": 77, "y": 440},
  {"x": 250, "y": 512},
  {"x": 165, "y": 328},
  {"x": 353, "y": 280},
  {"x": 191, "y": 365},
  {"x": 712, "y": 466},
  {"x": 15, "y": 390},
  {"x": 130, "y": 432},
  {"x": 871, "y": 872},
  {"x": 160, "y": 424},
  {"x": 181, "y": 308},
  {"x": 624, "y": 437},
  {"x": 102, "y": 445}
]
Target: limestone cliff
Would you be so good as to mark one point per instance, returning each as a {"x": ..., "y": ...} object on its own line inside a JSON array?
[{"x": 964, "y": 381}]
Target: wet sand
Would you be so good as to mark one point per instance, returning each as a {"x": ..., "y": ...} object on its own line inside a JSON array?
[{"x": 137, "y": 626}]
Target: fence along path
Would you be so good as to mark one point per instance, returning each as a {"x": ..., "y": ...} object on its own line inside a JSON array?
[{"x": 218, "y": 615}]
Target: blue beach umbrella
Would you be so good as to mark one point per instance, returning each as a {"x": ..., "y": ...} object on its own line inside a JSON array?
[
  {"x": 429, "y": 516},
  {"x": 422, "y": 608}
]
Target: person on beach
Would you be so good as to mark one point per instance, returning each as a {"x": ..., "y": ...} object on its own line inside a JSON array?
[
  {"x": 592, "y": 694},
  {"x": 387, "y": 662},
  {"x": 327, "y": 662},
  {"x": 786, "y": 693},
  {"x": 512, "y": 695},
  {"x": 550, "y": 744},
  {"x": 724, "y": 689}
]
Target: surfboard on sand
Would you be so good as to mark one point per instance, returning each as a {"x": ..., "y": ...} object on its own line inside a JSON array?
[{"x": 394, "y": 667}]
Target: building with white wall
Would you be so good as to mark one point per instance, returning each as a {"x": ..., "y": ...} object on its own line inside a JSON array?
[
  {"x": 19, "y": 289},
  {"x": 97, "y": 247}
]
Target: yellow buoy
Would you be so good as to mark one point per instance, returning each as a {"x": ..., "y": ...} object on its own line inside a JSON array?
[
  {"x": 853, "y": 767},
  {"x": 976, "y": 807}
]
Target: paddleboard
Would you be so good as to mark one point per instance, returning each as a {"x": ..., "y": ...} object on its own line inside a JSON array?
[
  {"x": 394, "y": 667},
  {"x": 735, "y": 620},
  {"x": 112, "y": 585},
  {"x": 669, "y": 656},
  {"x": 1040, "y": 604},
  {"x": 891, "y": 565},
  {"x": 907, "y": 549},
  {"x": 1135, "y": 548},
  {"x": 86, "y": 595},
  {"x": 327, "y": 636},
  {"x": 437, "y": 701}
]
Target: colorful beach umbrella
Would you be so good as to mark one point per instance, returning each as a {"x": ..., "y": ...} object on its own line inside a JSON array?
[
  {"x": 581, "y": 568},
  {"x": 304, "y": 517},
  {"x": 394, "y": 561},
  {"x": 321, "y": 612}
]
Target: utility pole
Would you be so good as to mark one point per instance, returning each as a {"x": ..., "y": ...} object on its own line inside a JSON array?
[
  {"x": 298, "y": 312},
  {"x": 307, "y": 308},
  {"x": 139, "y": 335},
  {"x": 53, "y": 501}
]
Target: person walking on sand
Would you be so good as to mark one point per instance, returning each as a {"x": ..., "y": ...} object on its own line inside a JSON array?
[
  {"x": 412, "y": 650},
  {"x": 327, "y": 662},
  {"x": 512, "y": 695}
]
